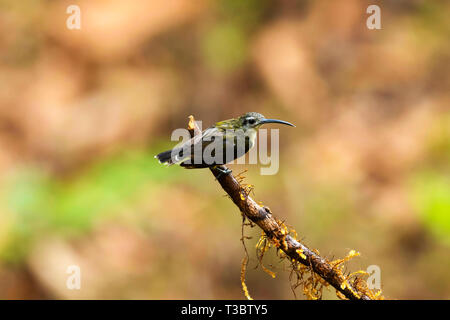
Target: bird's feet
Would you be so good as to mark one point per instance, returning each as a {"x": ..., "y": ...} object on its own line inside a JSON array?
[{"x": 222, "y": 172}]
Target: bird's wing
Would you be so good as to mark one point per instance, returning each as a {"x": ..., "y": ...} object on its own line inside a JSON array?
[
  {"x": 185, "y": 150},
  {"x": 221, "y": 147}
]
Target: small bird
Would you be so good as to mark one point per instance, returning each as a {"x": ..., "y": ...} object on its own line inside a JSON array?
[{"x": 219, "y": 144}]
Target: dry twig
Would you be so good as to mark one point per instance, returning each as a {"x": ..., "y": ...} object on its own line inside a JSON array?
[{"x": 294, "y": 249}]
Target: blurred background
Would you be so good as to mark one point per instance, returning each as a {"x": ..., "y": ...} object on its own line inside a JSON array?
[{"x": 83, "y": 112}]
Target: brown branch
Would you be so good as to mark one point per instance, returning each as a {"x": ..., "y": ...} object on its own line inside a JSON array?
[{"x": 295, "y": 250}]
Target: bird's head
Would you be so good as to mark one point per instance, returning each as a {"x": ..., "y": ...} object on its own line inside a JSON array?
[{"x": 253, "y": 120}]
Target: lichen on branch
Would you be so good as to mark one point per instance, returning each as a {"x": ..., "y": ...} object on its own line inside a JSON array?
[{"x": 322, "y": 272}]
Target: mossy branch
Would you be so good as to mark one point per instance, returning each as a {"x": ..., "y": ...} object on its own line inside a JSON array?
[{"x": 276, "y": 232}]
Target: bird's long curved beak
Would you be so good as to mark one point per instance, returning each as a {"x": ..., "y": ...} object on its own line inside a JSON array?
[{"x": 276, "y": 121}]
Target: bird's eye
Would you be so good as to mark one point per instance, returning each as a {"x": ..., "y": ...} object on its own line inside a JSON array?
[{"x": 251, "y": 121}]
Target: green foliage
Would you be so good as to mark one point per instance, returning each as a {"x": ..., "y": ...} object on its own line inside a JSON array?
[
  {"x": 439, "y": 144},
  {"x": 431, "y": 197},
  {"x": 42, "y": 204},
  {"x": 433, "y": 16},
  {"x": 225, "y": 44},
  {"x": 225, "y": 47},
  {"x": 430, "y": 187},
  {"x": 247, "y": 14}
]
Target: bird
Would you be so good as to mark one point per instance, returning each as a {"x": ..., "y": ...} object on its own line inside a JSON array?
[{"x": 219, "y": 144}]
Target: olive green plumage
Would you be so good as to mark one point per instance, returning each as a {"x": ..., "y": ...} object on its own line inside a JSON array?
[{"x": 224, "y": 142}]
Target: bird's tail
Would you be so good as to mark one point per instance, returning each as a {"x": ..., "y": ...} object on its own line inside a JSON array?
[
  {"x": 170, "y": 157},
  {"x": 165, "y": 157}
]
